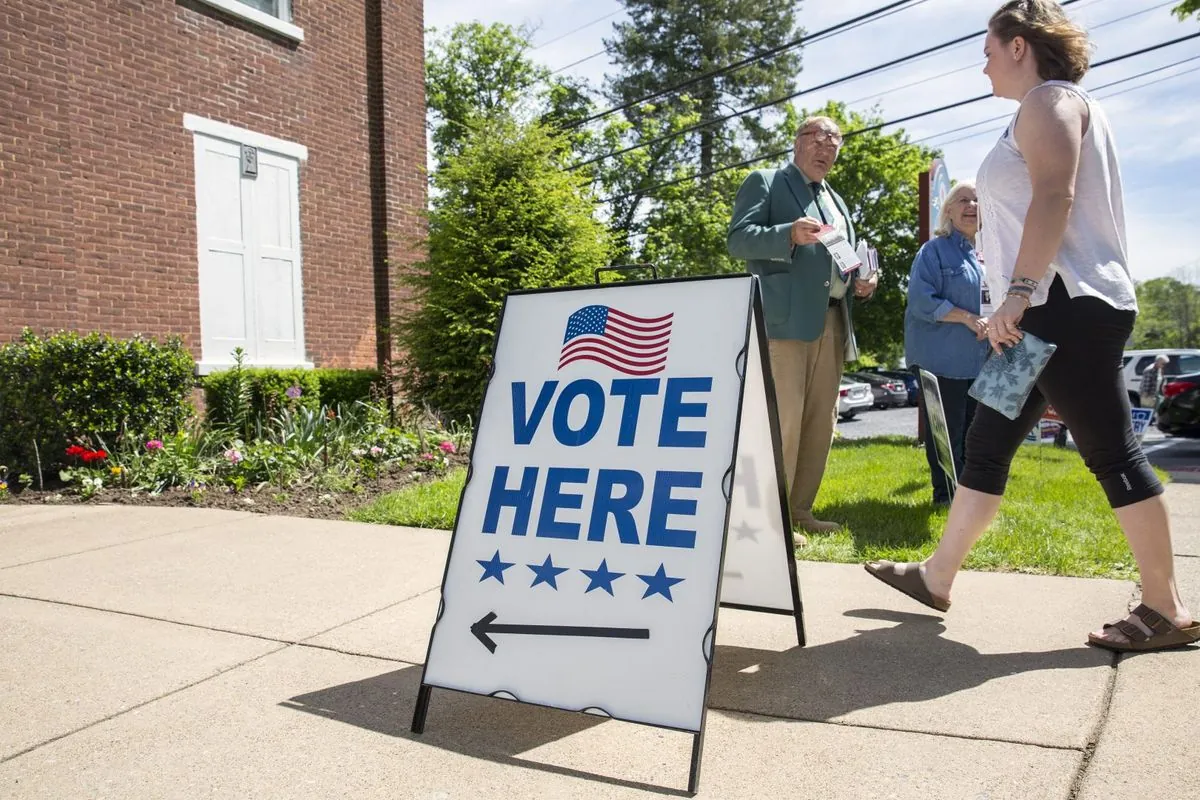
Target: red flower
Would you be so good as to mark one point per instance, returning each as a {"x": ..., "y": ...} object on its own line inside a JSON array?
[
  {"x": 90, "y": 456},
  {"x": 76, "y": 450}
]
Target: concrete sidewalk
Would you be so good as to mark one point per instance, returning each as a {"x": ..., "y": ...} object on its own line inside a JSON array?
[{"x": 155, "y": 652}]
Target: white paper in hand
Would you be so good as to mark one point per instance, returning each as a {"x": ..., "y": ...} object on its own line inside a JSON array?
[
  {"x": 843, "y": 254},
  {"x": 869, "y": 258}
]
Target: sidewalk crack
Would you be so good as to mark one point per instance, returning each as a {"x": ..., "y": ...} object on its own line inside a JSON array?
[
  {"x": 115, "y": 544},
  {"x": 140, "y": 705},
  {"x": 893, "y": 729},
  {"x": 1093, "y": 740}
]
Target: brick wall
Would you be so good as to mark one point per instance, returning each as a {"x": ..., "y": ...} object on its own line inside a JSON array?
[{"x": 97, "y": 191}]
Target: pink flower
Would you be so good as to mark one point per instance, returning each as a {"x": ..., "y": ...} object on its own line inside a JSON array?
[
  {"x": 428, "y": 456},
  {"x": 154, "y": 444},
  {"x": 376, "y": 451},
  {"x": 234, "y": 456},
  {"x": 448, "y": 447}
]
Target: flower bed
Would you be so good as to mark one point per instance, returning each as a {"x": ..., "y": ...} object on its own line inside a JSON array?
[{"x": 303, "y": 461}]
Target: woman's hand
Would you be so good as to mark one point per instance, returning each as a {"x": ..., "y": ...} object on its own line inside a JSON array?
[
  {"x": 1002, "y": 325},
  {"x": 978, "y": 326}
]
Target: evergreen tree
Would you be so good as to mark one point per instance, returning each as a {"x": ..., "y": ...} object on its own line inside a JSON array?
[
  {"x": 505, "y": 216},
  {"x": 667, "y": 42}
]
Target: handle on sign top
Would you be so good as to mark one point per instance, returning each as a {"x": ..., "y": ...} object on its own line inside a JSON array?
[{"x": 626, "y": 268}]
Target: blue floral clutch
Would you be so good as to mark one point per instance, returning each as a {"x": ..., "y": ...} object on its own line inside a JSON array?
[{"x": 1006, "y": 380}]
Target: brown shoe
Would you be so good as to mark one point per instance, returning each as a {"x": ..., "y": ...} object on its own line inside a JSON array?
[
  {"x": 906, "y": 578},
  {"x": 813, "y": 525}
]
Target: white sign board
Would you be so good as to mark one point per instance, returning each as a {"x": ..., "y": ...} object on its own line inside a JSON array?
[
  {"x": 759, "y": 564},
  {"x": 586, "y": 559},
  {"x": 931, "y": 396}
]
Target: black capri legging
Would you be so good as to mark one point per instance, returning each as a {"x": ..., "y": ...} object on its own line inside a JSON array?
[{"x": 1084, "y": 382}]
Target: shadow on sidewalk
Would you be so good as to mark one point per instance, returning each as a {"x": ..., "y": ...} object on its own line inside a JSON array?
[
  {"x": 471, "y": 725},
  {"x": 905, "y": 663}
]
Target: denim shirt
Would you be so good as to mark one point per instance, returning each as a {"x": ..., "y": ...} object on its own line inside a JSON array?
[{"x": 945, "y": 275}]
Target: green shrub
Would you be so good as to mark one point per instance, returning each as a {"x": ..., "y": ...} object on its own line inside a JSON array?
[
  {"x": 66, "y": 387},
  {"x": 346, "y": 387},
  {"x": 506, "y": 216},
  {"x": 241, "y": 396}
]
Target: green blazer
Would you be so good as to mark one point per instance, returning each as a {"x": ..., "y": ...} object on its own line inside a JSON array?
[{"x": 794, "y": 279}]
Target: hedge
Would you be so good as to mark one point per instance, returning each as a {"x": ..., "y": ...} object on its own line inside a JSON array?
[{"x": 68, "y": 387}]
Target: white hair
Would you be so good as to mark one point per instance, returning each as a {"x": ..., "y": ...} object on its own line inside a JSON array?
[{"x": 944, "y": 226}]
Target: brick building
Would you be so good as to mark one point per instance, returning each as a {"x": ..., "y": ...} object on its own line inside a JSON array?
[{"x": 240, "y": 172}]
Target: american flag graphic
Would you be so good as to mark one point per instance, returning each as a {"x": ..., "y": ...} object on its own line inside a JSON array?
[{"x": 630, "y": 345}]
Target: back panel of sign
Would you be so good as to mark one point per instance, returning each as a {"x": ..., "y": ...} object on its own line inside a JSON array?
[{"x": 759, "y": 550}]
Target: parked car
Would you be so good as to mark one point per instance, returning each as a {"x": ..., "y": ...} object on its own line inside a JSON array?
[
  {"x": 888, "y": 392},
  {"x": 1179, "y": 411},
  {"x": 1180, "y": 362},
  {"x": 853, "y": 397},
  {"x": 911, "y": 382}
]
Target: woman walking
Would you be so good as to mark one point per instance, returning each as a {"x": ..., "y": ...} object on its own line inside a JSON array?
[{"x": 1053, "y": 228}]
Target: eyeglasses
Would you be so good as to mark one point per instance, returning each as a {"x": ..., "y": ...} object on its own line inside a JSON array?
[{"x": 821, "y": 136}]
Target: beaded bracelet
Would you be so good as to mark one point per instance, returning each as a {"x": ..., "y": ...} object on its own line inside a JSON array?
[
  {"x": 1021, "y": 290},
  {"x": 1021, "y": 296}
]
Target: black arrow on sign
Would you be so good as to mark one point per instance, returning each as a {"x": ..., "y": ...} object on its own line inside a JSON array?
[{"x": 485, "y": 626}]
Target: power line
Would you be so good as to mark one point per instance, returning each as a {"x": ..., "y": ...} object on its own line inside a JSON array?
[
  {"x": 773, "y": 102},
  {"x": 1096, "y": 89},
  {"x": 827, "y": 32},
  {"x": 975, "y": 64},
  {"x": 603, "y": 52},
  {"x": 878, "y": 126},
  {"x": 786, "y": 98},
  {"x": 576, "y": 30},
  {"x": 1098, "y": 97}
]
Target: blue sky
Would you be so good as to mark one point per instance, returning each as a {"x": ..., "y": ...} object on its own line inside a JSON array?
[{"x": 1156, "y": 118}]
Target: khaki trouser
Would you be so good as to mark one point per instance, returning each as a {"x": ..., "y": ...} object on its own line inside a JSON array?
[{"x": 807, "y": 378}]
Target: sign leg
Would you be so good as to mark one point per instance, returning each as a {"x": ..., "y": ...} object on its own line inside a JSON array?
[
  {"x": 697, "y": 747},
  {"x": 418, "y": 722}
]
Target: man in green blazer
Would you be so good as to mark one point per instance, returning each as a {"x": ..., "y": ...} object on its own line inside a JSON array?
[{"x": 807, "y": 302}]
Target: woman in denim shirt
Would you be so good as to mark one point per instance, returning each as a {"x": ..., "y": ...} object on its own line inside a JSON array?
[{"x": 945, "y": 331}]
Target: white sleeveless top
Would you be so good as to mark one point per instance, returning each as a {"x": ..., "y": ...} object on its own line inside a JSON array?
[{"x": 1092, "y": 259}]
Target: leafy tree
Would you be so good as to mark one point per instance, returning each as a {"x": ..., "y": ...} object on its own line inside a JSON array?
[
  {"x": 667, "y": 42},
  {"x": 475, "y": 72},
  {"x": 1186, "y": 8},
  {"x": 1168, "y": 314},
  {"x": 505, "y": 216}
]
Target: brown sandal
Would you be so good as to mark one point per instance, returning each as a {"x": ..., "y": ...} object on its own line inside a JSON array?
[
  {"x": 909, "y": 582},
  {"x": 1163, "y": 634}
]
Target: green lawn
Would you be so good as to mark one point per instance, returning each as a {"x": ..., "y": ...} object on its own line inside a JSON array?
[{"x": 1054, "y": 518}]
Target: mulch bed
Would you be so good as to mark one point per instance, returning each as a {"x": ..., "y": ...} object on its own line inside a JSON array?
[{"x": 315, "y": 503}]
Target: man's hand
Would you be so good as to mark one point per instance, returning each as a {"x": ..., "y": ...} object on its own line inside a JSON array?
[
  {"x": 804, "y": 231},
  {"x": 866, "y": 288}
]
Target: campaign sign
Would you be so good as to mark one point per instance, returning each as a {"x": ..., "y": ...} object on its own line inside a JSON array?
[
  {"x": 931, "y": 395},
  {"x": 586, "y": 562},
  {"x": 1141, "y": 421}
]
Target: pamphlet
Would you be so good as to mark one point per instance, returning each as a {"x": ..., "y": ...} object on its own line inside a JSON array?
[
  {"x": 869, "y": 257},
  {"x": 843, "y": 254}
]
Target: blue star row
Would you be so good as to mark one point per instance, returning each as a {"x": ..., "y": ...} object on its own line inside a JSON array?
[{"x": 599, "y": 578}]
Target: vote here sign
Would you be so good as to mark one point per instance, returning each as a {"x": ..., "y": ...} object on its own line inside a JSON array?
[{"x": 585, "y": 564}]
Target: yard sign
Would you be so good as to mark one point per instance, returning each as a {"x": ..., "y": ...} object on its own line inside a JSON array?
[{"x": 622, "y": 428}]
